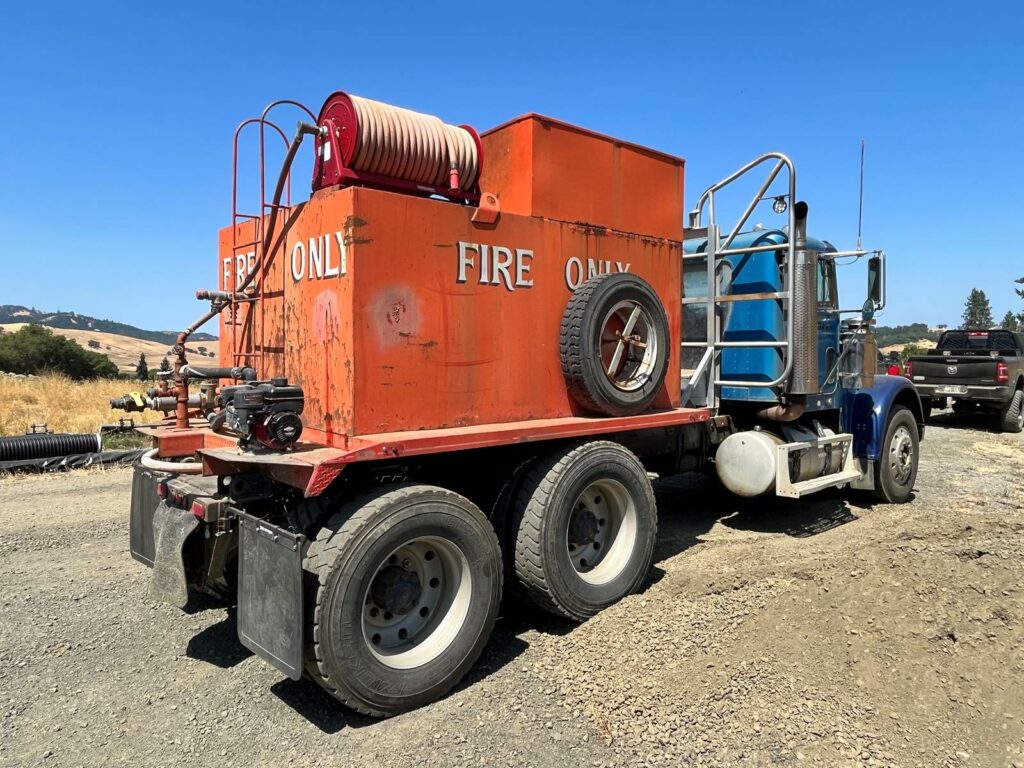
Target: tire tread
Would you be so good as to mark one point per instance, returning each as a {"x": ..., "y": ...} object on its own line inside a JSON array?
[
  {"x": 535, "y": 495},
  {"x": 336, "y": 534}
]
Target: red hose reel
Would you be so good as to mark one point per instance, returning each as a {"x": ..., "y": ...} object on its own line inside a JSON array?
[{"x": 373, "y": 144}]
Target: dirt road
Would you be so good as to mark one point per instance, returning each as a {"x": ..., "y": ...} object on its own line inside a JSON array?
[{"x": 771, "y": 633}]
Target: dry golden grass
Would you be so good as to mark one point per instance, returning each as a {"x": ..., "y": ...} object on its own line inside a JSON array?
[{"x": 63, "y": 404}]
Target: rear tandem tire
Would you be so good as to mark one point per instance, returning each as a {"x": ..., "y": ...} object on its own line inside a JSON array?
[
  {"x": 1012, "y": 414},
  {"x": 405, "y": 584},
  {"x": 896, "y": 469},
  {"x": 585, "y": 524}
]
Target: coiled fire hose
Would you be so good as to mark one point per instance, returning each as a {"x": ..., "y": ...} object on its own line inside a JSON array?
[{"x": 402, "y": 144}]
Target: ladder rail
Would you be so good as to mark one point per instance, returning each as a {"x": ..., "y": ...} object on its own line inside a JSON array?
[{"x": 717, "y": 249}]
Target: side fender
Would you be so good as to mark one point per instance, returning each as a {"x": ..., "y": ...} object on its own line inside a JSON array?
[{"x": 865, "y": 412}]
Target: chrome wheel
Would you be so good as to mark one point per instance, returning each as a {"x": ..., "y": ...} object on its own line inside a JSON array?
[
  {"x": 417, "y": 602},
  {"x": 901, "y": 455},
  {"x": 602, "y": 531},
  {"x": 629, "y": 346}
]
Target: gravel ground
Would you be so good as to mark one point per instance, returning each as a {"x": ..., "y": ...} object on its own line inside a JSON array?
[{"x": 771, "y": 633}]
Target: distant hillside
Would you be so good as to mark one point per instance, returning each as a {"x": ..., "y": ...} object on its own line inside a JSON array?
[
  {"x": 12, "y": 313},
  {"x": 124, "y": 351},
  {"x": 915, "y": 333}
]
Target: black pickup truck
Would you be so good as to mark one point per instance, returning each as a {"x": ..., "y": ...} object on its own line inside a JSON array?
[{"x": 976, "y": 370}]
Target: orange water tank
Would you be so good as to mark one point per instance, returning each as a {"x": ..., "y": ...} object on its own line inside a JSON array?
[{"x": 397, "y": 312}]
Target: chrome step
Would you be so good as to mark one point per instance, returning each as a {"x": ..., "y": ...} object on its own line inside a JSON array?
[
  {"x": 796, "y": 490},
  {"x": 848, "y": 472}
]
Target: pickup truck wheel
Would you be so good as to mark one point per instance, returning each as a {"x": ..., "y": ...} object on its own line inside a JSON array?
[
  {"x": 1013, "y": 413},
  {"x": 406, "y": 583},
  {"x": 614, "y": 344},
  {"x": 896, "y": 469},
  {"x": 585, "y": 524}
]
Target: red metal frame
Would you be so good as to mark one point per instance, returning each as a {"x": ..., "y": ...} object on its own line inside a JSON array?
[{"x": 313, "y": 467}]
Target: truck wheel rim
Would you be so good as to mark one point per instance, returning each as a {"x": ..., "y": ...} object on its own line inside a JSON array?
[
  {"x": 901, "y": 456},
  {"x": 602, "y": 531},
  {"x": 629, "y": 346},
  {"x": 417, "y": 602}
]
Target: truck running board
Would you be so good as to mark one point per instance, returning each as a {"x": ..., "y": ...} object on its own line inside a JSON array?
[{"x": 847, "y": 472}]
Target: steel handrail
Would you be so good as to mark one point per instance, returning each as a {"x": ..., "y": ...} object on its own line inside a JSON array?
[{"x": 713, "y": 252}]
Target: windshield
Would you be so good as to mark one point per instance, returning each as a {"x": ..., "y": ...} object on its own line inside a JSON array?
[{"x": 827, "y": 293}]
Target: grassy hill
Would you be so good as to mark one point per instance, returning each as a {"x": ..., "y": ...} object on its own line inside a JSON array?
[
  {"x": 123, "y": 350},
  {"x": 72, "y": 321}
]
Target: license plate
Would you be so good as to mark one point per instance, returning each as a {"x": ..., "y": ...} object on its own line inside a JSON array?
[{"x": 951, "y": 390}]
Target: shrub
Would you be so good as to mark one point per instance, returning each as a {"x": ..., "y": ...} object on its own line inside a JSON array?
[{"x": 35, "y": 349}]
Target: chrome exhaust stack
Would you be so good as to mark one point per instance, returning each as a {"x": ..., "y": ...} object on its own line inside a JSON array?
[{"x": 804, "y": 380}]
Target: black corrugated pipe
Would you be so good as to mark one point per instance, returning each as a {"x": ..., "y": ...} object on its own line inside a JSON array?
[{"x": 21, "y": 447}]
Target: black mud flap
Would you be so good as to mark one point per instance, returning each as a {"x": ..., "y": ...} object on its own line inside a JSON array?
[
  {"x": 270, "y": 619},
  {"x": 170, "y": 529},
  {"x": 141, "y": 541}
]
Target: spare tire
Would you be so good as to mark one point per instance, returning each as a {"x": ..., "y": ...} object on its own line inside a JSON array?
[{"x": 614, "y": 344}]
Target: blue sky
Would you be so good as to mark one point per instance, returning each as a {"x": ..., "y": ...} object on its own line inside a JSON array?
[{"x": 116, "y": 122}]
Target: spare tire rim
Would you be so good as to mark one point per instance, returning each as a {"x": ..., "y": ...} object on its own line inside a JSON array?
[
  {"x": 602, "y": 532},
  {"x": 417, "y": 602},
  {"x": 628, "y": 346},
  {"x": 901, "y": 455}
]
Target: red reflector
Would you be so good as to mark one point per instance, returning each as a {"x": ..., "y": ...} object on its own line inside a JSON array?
[
  {"x": 161, "y": 490},
  {"x": 198, "y": 510},
  {"x": 1002, "y": 373},
  {"x": 894, "y": 370}
]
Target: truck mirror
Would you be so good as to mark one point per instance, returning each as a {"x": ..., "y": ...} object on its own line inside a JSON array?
[{"x": 875, "y": 280}]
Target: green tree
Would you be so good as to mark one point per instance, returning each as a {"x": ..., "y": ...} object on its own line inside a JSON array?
[
  {"x": 35, "y": 349},
  {"x": 1010, "y": 322},
  {"x": 1020, "y": 292},
  {"x": 165, "y": 364},
  {"x": 141, "y": 369},
  {"x": 912, "y": 350},
  {"x": 977, "y": 311}
]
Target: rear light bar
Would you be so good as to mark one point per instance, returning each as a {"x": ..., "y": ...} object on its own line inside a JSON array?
[{"x": 1002, "y": 373}]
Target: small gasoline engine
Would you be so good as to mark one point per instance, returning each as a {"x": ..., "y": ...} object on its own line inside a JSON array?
[{"x": 264, "y": 414}]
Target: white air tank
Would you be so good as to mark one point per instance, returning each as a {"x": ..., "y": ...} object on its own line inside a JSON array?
[{"x": 746, "y": 462}]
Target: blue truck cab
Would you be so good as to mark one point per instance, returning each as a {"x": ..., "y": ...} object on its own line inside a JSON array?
[{"x": 793, "y": 370}]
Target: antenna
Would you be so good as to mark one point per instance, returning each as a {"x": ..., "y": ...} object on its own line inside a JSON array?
[{"x": 860, "y": 206}]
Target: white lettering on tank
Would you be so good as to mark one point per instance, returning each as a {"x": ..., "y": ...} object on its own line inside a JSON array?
[
  {"x": 298, "y": 264},
  {"x": 502, "y": 262},
  {"x": 316, "y": 264},
  {"x": 523, "y": 268},
  {"x": 464, "y": 260}
]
